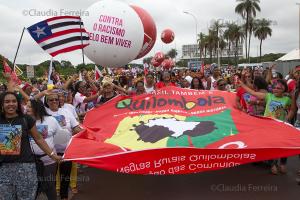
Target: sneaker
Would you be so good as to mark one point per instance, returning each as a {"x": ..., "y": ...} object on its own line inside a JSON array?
[{"x": 274, "y": 170}]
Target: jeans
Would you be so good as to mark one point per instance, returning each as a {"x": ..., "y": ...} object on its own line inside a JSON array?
[{"x": 18, "y": 181}]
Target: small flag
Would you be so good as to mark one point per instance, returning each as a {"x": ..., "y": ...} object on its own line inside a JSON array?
[
  {"x": 60, "y": 34},
  {"x": 17, "y": 70},
  {"x": 50, "y": 81},
  {"x": 7, "y": 70},
  {"x": 98, "y": 73}
]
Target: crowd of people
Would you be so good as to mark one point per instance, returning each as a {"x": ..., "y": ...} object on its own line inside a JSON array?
[{"x": 34, "y": 114}]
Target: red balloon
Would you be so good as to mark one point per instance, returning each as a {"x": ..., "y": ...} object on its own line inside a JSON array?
[
  {"x": 159, "y": 57},
  {"x": 166, "y": 64},
  {"x": 149, "y": 31},
  {"x": 167, "y": 36},
  {"x": 154, "y": 62}
]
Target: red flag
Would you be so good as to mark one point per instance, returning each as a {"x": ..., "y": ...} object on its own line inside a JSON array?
[
  {"x": 98, "y": 73},
  {"x": 178, "y": 131},
  {"x": 7, "y": 70}
]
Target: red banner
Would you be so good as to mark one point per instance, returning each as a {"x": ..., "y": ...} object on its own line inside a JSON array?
[{"x": 177, "y": 131}]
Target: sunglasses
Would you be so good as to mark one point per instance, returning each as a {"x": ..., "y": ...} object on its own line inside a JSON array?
[
  {"x": 52, "y": 100},
  {"x": 221, "y": 85}
]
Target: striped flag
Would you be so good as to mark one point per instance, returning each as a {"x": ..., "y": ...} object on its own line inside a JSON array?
[
  {"x": 98, "y": 73},
  {"x": 60, "y": 34}
]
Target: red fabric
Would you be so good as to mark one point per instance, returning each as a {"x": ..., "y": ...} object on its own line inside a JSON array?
[
  {"x": 112, "y": 139},
  {"x": 240, "y": 92},
  {"x": 7, "y": 69},
  {"x": 291, "y": 85},
  {"x": 162, "y": 84}
]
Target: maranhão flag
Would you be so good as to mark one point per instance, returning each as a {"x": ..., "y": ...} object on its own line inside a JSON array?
[
  {"x": 98, "y": 73},
  {"x": 178, "y": 131},
  {"x": 13, "y": 75},
  {"x": 60, "y": 34}
]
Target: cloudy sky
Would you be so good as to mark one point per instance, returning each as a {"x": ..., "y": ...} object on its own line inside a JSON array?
[{"x": 16, "y": 14}]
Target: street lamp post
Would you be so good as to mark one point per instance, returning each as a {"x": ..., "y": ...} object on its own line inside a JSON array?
[
  {"x": 299, "y": 29},
  {"x": 188, "y": 13},
  {"x": 219, "y": 50}
]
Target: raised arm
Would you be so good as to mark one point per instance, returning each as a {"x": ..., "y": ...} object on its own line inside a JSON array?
[{"x": 259, "y": 95}]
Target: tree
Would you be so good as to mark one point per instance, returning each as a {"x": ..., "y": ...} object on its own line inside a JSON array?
[
  {"x": 262, "y": 30},
  {"x": 147, "y": 60},
  {"x": 247, "y": 9},
  {"x": 172, "y": 53},
  {"x": 201, "y": 43},
  {"x": 216, "y": 31},
  {"x": 237, "y": 37}
]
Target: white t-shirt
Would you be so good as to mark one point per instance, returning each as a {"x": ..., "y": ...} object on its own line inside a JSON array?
[
  {"x": 48, "y": 128},
  {"x": 71, "y": 109},
  {"x": 78, "y": 102},
  {"x": 67, "y": 121},
  {"x": 149, "y": 89}
]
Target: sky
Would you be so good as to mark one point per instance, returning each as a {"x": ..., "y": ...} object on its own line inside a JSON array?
[{"x": 16, "y": 14}]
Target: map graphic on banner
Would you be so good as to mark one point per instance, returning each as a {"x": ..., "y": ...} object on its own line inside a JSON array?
[{"x": 178, "y": 131}]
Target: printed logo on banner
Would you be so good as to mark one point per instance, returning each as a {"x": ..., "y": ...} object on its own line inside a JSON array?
[
  {"x": 158, "y": 131},
  {"x": 10, "y": 139}
]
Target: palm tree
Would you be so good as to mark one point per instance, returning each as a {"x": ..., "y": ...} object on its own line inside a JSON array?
[
  {"x": 201, "y": 42},
  {"x": 250, "y": 30},
  {"x": 211, "y": 43},
  {"x": 247, "y": 9},
  {"x": 216, "y": 27},
  {"x": 262, "y": 30},
  {"x": 228, "y": 35},
  {"x": 237, "y": 38},
  {"x": 172, "y": 53}
]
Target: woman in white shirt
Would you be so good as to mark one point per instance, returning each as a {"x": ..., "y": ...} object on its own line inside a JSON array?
[
  {"x": 70, "y": 126},
  {"x": 47, "y": 126}
]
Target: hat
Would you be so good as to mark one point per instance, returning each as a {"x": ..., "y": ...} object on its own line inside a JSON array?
[
  {"x": 188, "y": 79},
  {"x": 26, "y": 86}
]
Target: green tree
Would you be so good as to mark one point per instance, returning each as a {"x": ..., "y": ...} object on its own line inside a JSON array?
[
  {"x": 202, "y": 43},
  {"x": 237, "y": 35},
  {"x": 147, "y": 60},
  {"x": 247, "y": 9},
  {"x": 262, "y": 30},
  {"x": 172, "y": 53}
]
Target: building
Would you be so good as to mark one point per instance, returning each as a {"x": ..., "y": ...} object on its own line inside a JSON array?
[{"x": 191, "y": 51}]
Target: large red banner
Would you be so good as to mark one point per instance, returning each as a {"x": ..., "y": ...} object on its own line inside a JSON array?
[{"x": 178, "y": 131}]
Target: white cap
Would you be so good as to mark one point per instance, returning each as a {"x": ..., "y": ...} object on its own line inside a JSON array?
[{"x": 188, "y": 79}]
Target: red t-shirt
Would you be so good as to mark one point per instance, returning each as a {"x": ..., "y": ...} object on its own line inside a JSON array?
[
  {"x": 162, "y": 84},
  {"x": 291, "y": 85},
  {"x": 240, "y": 92}
]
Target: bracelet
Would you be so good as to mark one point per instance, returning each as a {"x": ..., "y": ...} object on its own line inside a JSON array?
[{"x": 52, "y": 153}]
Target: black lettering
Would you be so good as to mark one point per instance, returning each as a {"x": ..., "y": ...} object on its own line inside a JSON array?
[{"x": 161, "y": 102}]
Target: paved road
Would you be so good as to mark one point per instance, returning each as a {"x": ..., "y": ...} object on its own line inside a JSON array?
[{"x": 247, "y": 182}]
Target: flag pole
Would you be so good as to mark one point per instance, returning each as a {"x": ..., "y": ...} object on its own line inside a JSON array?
[
  {"x": 18, "y": 48},
  {"x": 82, "y": 44}
]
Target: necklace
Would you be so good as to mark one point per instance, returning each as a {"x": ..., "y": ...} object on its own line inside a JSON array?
[{"x": 11, "y": 121}]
